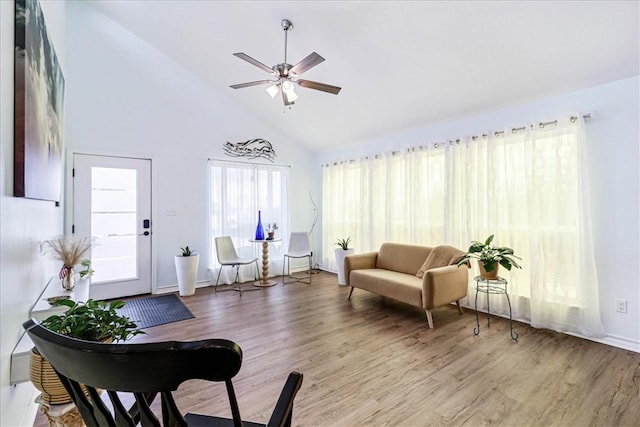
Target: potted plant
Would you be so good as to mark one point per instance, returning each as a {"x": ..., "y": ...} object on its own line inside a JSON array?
[
  {"x": 187, "y": 271},
  {"x": 69, "y": 250},
  {"x": 88, "y": 271},
  {"x": 342, "y": 251},
  {"x": 271, "y": 230},
  {"x": 490, "y": 257},
  {"x": 90, "y": 321}
]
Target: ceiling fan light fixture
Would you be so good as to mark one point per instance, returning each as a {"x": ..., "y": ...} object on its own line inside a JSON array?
[
  {"x": 285, "y": 99},
  {"x": 288, "y": 89},
  {"x": 273, "y": 90},
  {"x": 290, "y": 97}
]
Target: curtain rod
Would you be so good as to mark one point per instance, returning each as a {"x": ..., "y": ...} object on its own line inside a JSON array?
[
  {"x": 246, "y": 163},
  {"x": 541, "y": 125}
]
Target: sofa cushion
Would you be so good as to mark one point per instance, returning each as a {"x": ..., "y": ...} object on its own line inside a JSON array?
[
  {"x": 400, "y": 286},
  {"x": 440, "y": 256},
  {"x": 401, "y": 257}
]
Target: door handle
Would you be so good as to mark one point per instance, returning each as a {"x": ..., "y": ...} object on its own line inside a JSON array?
[{"x": 146, "y": 233}]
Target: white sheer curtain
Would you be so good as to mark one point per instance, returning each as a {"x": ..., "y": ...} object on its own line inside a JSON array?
[
  {"x": 349, "y": 186},
  {"x": 524, "y": 185},
  {"x": 237, "y": 192},
  {"x": 408, "y": 197},
  {"x": 564, "y": 295},
  {"x": 397, "y": 196}
]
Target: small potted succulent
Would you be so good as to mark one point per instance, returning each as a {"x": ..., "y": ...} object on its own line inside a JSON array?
[
  {"x": 187, "y": 271},
  {"x": 271, "y": 230},
  {"x": 490, "y": 257},
  {"x": 91, "y": 321},
  {"x": 341, "y": 252}
]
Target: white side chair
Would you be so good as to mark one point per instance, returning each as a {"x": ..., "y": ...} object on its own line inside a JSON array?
[
  {"x": 227, "y": 256},
  {"x": 299, "y": 247}
]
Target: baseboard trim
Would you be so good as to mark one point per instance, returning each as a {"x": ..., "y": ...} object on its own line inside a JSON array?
[
  {"x": 614, "y": 341},
  {"x": 611, "y": 340},
  {"x": 174, "y": 288}
]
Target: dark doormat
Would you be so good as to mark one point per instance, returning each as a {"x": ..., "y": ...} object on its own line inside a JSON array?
[{"x": 154, "y": 311}]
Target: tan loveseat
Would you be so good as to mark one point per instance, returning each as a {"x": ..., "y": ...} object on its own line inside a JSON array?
[{"x": 418, "y": 275}]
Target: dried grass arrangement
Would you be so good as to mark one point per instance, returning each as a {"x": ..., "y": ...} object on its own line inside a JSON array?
[{"x": 69, "y": 250}]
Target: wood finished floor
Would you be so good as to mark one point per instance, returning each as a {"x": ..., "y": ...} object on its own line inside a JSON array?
[{"x": 369, "y": 362}]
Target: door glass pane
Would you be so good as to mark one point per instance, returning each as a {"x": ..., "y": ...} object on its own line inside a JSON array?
[{"x": 114, "y": 254}]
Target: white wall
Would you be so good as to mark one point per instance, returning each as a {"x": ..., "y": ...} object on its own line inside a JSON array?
[
  {"x": 613, "y": 140},
  {"x": 24, "y": 224},
  {"x": 126, "y": 98}
]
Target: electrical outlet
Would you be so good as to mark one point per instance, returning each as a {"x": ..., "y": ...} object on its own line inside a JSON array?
[{"x": 621, "y": 305}]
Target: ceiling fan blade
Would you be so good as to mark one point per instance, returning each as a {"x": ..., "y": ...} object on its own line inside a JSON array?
[
  {"x": 256, "y": 83},
  {"x": 319, "y": 86},
  {"x": 310, "y": 61},
  {"x": 255, "y": 62}
]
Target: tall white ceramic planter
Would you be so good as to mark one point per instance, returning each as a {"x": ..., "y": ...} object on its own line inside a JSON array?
[
  {"x": 187, "y": 270},
  {"x": 340, "y": 254}
]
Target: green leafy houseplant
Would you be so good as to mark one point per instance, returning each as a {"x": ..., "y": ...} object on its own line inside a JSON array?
[
  {"x": 87, "y": 272},
  {"x": 490, "y": 256},
  {"x": 344, "y": 243},
  {"x": 92, "y": 321}
]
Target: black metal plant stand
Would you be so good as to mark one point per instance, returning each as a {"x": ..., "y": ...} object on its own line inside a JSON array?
[{"x": 496, "y": 286}]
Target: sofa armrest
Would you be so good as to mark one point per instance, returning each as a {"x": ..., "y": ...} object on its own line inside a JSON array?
[
  {"x": 359, "y": 262},
  {"x": 444, "y": 285}
]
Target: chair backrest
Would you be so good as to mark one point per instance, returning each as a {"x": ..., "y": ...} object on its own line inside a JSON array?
[
  {"x": 299, "y": 243},
  {"x": 142, "y": 369},
  {"x": 225, "y": 250},
  {"x": 401, "y": 257}
]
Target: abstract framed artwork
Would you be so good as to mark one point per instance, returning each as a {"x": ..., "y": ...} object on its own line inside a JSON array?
[
  {"x": 38, "y": 107},
  {"x": 257, "y": 148}
]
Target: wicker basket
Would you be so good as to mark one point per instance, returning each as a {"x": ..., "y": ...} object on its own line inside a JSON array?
[{"x": 45, "y": 379}]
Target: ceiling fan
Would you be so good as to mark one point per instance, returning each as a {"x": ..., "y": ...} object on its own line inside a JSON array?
[{"x": 285, "y": 75}]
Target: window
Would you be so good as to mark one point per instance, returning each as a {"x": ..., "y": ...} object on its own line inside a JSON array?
[
  {"x": 523, "y": 185},
  {"x": 238, "y": 192}
]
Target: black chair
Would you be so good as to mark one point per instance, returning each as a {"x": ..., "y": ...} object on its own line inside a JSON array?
[{"x": 146, "y": 370}]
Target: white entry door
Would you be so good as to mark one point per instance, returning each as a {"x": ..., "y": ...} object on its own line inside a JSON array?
[{"x": 112, "y": 204}]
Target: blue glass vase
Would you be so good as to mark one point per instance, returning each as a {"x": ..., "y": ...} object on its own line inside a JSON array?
[{"x": 259, "y": 229}]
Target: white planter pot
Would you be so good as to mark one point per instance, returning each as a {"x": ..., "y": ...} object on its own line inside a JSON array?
[
  {"x": 340, "y": 254},
  {"x": 187, "y": 270}
]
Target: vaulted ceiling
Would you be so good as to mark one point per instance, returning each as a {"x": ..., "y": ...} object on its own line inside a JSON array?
[{"x": 400, "y": 63}]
